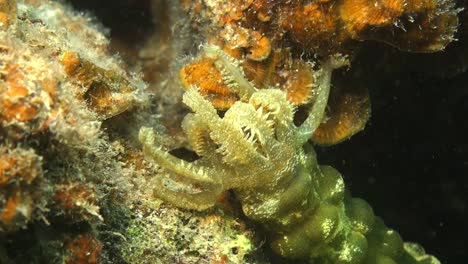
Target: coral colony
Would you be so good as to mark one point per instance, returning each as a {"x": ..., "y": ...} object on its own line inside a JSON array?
[
  {"x": 252, "y": 72},
  {"x": 88, "y": 174}
]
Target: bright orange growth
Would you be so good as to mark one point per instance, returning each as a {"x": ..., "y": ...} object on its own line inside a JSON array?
[
  {"x": 203, "y": 73},
  {"x": 9, "y": 211},
  {"x": 78, "y": 70},
  {"x": 260, "y": 73},
  {"x": 4, "y": 18},
  {"x": 16, "y": 99},
  {"x": 259, "y": 48},
  {"x": 7, "y": 12},
  {"x": 70, "y": 61},
  {"x": 325, "y": 26},
  {"x": 299, "y": 85},
  {"x": 6, "y": 165},
  {"x": 273, "y": 40},
  {"x": 222, "y": 260},
  {"x": 293, "y": 76},
  {"x": 359, "y": 14},
  {"x": 281, "y": 71},
  {"x": 83, "y": 249},
  {"x": 103, "y": 90},
  {"x": 21, "y": 166},
  {"x": 19, "y": 112},
  {"x": 19, "y": 171},
  {"x": 415, "y": 26},
  {"x": 312, "y": 25},
  {"x": 348, "y": 112}
]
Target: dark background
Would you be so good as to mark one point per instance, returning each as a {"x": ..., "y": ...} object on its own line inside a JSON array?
[{"x": 411, "y": 161}]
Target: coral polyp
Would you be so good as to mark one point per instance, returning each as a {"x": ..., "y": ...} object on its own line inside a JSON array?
[{"x": 256, "y": 150}]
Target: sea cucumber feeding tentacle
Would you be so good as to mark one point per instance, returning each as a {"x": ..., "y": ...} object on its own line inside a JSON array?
[{"x": 256, "y": 150}]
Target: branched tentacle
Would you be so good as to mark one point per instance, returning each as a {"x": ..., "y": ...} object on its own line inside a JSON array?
[
  {"x": 169, "y": 162},
  {"x": 317, "y": 111},
  {"x": 320, "y": 98},
  {"x": 227, "y": 135},
  {"x": 231, "y": 71},
  {"x": 198, "y": 135},
  {"x": 184, "y": 195},
  {"x": 200, "y": 184},
  {"x": 201, "y": 106}
]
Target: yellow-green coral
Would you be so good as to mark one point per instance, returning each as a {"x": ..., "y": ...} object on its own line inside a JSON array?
[{"x": 257, "y": 150}]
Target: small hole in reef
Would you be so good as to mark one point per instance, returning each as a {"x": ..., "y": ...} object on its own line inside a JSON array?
[
  {"x": 185, "y": 154},
  {"x": 301, "y": 114},
  {"x": 221, "y": 113},
  {"x": 235, "y": 250},
  {"x": 245, "y": 51}
]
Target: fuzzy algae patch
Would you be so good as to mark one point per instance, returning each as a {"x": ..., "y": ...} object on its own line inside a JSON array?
[{"x": 167, "y": 234}]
